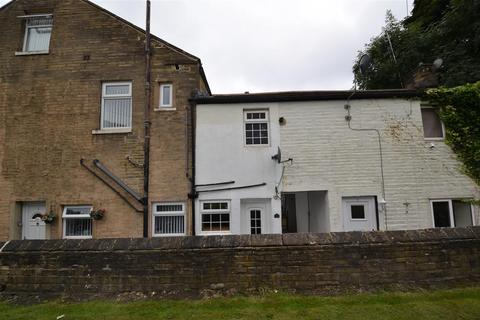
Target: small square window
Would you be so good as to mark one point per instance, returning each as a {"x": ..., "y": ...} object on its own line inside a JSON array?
[
  {"x": 38, "y": 30},
  {"x": 358, "y": 212},
  {"x": 166, "y": 95},
  {"x": 432, "y": 125},
  {"x": 77, "y": 223},
  {"x": 256, "y": 127}
]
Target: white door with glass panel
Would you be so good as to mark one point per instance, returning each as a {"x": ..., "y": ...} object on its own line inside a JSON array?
[
  {"x": 33, "y": 228},
  {"x": 359, "y": 214}
]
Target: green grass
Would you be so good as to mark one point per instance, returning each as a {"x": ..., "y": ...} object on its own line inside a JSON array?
[{"x": 438, "y": 305}]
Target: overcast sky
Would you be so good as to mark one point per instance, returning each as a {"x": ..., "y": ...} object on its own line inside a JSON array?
[{"x": 267, "y": 45}]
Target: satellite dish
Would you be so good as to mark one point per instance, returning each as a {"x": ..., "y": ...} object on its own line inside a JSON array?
[
  {"x": 437, "y": 64},
  {"x": 364, "y": 63},
  {"x": 278, "y": 156}
]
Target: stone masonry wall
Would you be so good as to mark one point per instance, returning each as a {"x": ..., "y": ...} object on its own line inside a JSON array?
[
  {"x": 199, "y": 266},
  {"x": 51, "y": 103}
]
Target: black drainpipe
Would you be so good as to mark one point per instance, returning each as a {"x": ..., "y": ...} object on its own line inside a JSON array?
[
  {"x": 146, "y": 124},
  {"x": 193, "y": 192}
]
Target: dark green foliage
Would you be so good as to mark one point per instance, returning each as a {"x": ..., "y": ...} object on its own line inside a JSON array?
[
  {"x": 460, "y": 111},
  {"x": 447, "y": 29}
]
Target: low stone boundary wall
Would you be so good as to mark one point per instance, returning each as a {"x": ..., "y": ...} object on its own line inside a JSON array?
[{"x": 203, "y": 266}]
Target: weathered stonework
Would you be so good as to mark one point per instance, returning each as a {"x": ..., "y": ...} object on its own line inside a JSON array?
[
  {"x": 215, "y": 265},
  {"x": 49, "y": 105}
]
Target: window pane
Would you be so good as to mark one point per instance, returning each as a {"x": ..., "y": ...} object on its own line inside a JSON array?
[
  {"x": 169, "y": 208},
  {"x": 117, "y": 113},
  {"x": 77, "y": 211},
  {"x": 40, "y": 21},
  {"x": 117, "y": 89},
  {"x": 78, "y": 227},
  {"x": 432, "y": 125},
  {"x": 462, "y": 214},
  {"x": 441, "y": 214},
  {"x": 358, "y": 211},
  {"x": 38, "y": 39},
  {"x": 216, "y": 222},
  {"x": 255, "y": 222},
  {"x": 166, "y": 95},
  {"x": 169, "y": 224}
]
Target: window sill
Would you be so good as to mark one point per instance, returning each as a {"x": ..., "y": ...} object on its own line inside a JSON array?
[
  {"x": 165, "y": 109},
  {"x": 111, "y": 131},
  {"x": 77, "y": 237},
  {"x": 169, "y": 235},
  {"x": 30, "y": 53},
  {"x": 433, "y": 139}
]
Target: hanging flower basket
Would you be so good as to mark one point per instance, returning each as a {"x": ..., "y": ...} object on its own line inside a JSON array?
[
  {"x": 97, "y": 214},
  {"x": 48, "y": 217}
]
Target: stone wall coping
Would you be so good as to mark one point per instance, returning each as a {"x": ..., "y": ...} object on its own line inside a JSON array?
[{"x": 244, "y": 241}]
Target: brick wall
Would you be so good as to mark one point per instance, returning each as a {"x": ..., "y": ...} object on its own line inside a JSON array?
[
  {"x": 196, "y": 266},
  {"x": 329, "y": 156},
  {"x": 49, "y": 105}
]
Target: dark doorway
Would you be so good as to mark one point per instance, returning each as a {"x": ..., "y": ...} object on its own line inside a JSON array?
[{"x": 289, "y": 215}]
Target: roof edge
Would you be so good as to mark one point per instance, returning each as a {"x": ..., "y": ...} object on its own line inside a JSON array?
[
  {"x": 141, "y": 30},
  {"x": 7, "y": 4},
  {"x": 284, "y": 96}
]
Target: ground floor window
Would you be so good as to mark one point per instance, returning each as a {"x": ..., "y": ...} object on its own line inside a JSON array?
[
  {"x": 452, "y": 213},
  {"x": 215, "y": 216},
  {"x": 77, "y": 223},
  {"x": 168, "y": 219}
]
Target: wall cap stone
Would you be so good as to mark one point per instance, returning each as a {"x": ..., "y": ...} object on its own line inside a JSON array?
[{"x": 244, "y": 241}]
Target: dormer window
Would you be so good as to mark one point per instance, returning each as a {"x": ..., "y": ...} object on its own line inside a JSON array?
[{"x": 38, "y": 29}]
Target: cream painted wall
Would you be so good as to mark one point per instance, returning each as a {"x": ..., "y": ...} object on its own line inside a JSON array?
[{"x": 328, "y": 156}]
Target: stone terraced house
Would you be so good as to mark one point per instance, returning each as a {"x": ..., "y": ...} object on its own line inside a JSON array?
[{"x": 72, "y": 87}]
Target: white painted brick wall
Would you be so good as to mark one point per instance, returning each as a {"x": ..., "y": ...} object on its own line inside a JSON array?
[{"x": 329, "y": 156}]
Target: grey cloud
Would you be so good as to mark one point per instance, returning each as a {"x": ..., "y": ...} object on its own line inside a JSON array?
[{"x": 266, "y": 45}]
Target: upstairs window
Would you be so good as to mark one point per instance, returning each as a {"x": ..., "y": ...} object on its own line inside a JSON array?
[
  {"x": 166, "y": 96},
  {"x": 116, "y": 106},
  {"x": 432, "y": 125},
  {"x": 38, "y": 30},
  {"x": 256, "y": 127},
  {"x": 169, "y": 219}
]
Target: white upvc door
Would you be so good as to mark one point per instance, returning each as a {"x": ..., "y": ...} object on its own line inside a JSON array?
[
  {"x": 254, "y": 219},
  {"x": 359, "y": 214},
  {"x": 33, "y": 228}
]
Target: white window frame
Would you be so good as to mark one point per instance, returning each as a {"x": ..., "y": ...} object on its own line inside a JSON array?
[
  {"x": 156, "y": 213},
  {"x": 161, "y": 104},
  {"x": 24, "y": 49},
  {"x": 423, "y": 126},
  {"x": 216, "y": 211},
  {"x": 248, "y": 121},
  {"x": 450, "y": 209},
  {"x": 105, "y": 96},
  {"x": 364, "y": 211},
  {"x": 80, "y": 216}
]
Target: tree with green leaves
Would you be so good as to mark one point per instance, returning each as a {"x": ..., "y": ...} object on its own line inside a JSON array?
[{"x": 446, "y": 29}]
